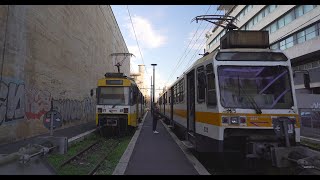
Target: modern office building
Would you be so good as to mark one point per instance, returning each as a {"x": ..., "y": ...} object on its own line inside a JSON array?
[{"x": 292, "y": 28}]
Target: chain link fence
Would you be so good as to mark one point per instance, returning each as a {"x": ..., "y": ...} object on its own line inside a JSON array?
[{"x": 310, "y": 122}]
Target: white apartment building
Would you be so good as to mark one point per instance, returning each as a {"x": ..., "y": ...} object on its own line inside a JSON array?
[{"x": 295, "y": 29}]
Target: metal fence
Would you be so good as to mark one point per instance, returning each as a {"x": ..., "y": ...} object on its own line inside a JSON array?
[{"x": 310, "y": 122}]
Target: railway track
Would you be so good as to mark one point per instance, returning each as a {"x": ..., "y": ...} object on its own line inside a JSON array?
[
  {"x": 90, "y": 158},
  {"x": 97, "y": 166}
]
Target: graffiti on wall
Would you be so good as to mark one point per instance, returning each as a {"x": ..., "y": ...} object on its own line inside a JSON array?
[
  {"x": 315, "y": 105},
  {"x": 38, "y": 103},
  {"x": 18, "y": 103},
  {"x": 12, "y": 101},
  {"x": 71, "y": 110}
]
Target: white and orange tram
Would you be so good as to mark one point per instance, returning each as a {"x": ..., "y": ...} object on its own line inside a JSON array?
[{"x": 239, "y": 97}]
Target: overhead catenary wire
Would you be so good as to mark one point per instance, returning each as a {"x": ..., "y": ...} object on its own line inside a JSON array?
[
  {"x": 112, "y": 32},
  {"x": 184, "y": 53},
  {"x": 193, "y": 46},
  {"x": 196, "y": 52},
  {"x": 135, "y": 35}
]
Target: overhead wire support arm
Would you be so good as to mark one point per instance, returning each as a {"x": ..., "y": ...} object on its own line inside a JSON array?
[
  {"x": 118, "y": 64},
  {"x": 220, "y": 20}
]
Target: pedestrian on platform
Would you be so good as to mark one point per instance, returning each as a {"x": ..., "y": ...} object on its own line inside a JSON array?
[{"x": 155, "y": 118}]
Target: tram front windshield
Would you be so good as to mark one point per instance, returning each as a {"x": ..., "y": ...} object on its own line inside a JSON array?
[
  {"x": 244, "y": 87},
  {"x": 113, "y": 95}
]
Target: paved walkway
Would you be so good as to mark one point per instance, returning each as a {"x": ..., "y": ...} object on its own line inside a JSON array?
[
  {"x": 37, "y": 166},
  {"x": 157, "y": 154},
  {"x": 68, "y": 132}
]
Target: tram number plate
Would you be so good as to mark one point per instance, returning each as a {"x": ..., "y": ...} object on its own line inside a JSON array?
[
  {"x": 290, "y": 128},
  {"x": 111, "y": 122}
]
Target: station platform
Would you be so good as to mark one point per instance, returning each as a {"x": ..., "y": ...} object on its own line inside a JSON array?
[{"x": 157, "y": 154}]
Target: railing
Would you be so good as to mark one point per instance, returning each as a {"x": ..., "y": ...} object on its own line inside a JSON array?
[{"x": 310, "y": 122}]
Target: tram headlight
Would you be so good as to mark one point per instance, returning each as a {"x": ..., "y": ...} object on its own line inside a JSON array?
[
  {"x": 243, "y": 119},
  {"x": 234, "y": 120},
  {"x": 225, "y": 120}
]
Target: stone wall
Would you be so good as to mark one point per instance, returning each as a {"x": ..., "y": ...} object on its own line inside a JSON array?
[{"x": 53, "y": 54}]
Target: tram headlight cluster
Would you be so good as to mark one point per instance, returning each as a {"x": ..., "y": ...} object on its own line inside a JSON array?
[{"x": 234, "y": 120}]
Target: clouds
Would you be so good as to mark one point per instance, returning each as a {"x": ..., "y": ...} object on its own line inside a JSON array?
[{"x": 146, "y": 33}]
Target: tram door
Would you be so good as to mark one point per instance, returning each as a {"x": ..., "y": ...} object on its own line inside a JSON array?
[{"x": 191, "y": 105}]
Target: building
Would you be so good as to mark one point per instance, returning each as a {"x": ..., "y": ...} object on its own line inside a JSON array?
[
  {"x": 53, "y": 54},
  {"x": 292, "y": 28},
  {"x": 139, "y": 79}
]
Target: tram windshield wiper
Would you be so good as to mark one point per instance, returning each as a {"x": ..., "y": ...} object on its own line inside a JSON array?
[
  {"x": 251, "y": 100},
  {"x": 113, "y": 106}
]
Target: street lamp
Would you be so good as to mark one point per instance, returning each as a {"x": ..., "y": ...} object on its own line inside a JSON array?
[{"x": 153, "y": 84}]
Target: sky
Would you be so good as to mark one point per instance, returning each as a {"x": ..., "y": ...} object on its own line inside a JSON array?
[{"x": 166, "y": 37}]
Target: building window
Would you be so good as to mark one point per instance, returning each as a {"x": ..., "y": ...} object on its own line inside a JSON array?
[
  {"x": 299, "y": 11},
  {"x": 275, "y": 46},
  {"x": 301, "y": 37},
  {"x": 289, "y": 42},
  {"x": 283, "y": 45},
  {"x": 289, "y": 17},
  {"x": 273, "y": 27},
  {"x": 272, "y": 7},
  {"x": 307, "y": 8},
  {"x": 310, "y": 32},
  {"x": 258, "y": 17},
  {"x": 281, "y": 22}
]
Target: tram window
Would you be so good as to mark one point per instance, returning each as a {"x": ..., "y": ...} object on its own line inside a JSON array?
[
  {"x": 167, "y": 99},
  {"x": 251, "y": 56},
  {"x": 175, "y": 98},
  {"x": 181, "y": 90},
  {"x": 201, "y": 84},
  {"x": 211, "y": 91}
]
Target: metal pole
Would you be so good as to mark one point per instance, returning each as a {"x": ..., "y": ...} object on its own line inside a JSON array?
[
  {"x": 51, "y": 121},
  {"x": 151, "y": 95}
]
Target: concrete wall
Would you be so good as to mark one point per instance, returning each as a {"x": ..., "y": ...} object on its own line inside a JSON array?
[{"x": 53, "y": 53}]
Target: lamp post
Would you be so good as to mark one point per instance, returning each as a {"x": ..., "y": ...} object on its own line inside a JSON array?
[
  {"x": 151, "y": 95},
  {"x": 153, "y": 83}
]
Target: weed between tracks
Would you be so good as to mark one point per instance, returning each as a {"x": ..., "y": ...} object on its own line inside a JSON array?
[
  {"x": 84, "y": 163},
  {"x": 315, "y": 146}
]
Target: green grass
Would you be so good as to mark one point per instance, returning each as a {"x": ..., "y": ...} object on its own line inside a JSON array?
[
  {"x": 311, "y": 144},
  {"x": 108, "y": 166},
  {"x": 57, "y": 159},
  {"x": 91, "y": 160}
]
